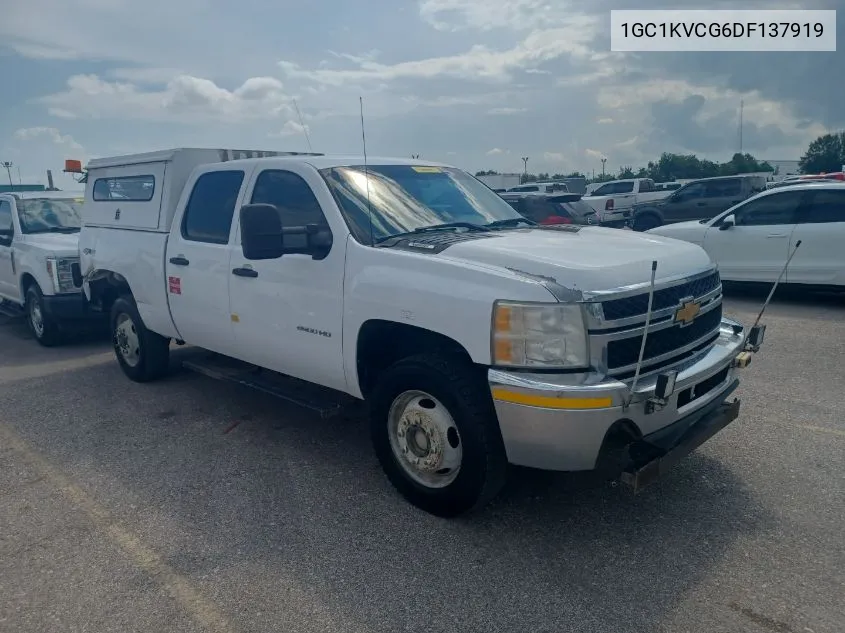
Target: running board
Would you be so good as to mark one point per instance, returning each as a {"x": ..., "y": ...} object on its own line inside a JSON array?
[
  {"x": 324, "y": 402},
  {"x": 12, "y": 310}
]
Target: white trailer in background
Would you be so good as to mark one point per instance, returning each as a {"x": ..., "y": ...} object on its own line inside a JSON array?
[{"x": 501, "y": 181}]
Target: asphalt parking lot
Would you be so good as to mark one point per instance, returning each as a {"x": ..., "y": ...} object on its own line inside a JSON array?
[{"x": 192, "y": 505}]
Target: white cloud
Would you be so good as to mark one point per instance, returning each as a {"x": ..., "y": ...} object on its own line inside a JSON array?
[
  {"x": 486, "y": 15},
  {"x": 49, "y": 133},
  {"x": 554, "y": 157},
  {"x": 479, "y": 62},
  {"x": 506, "y": 111},
  {"x": 292, "y": 128},
  {"x": 594, "y": 153},
  {"x": 497, "y": 151},
  {"x": 185, "y": 99},
  {"x": 604, "y": 121}
]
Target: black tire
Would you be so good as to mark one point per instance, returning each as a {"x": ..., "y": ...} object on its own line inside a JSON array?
[
  {"x": 462, "y": 389},
  {"x": 153, "y": 350},
  {"x": 646, "y": 221},
  {"x": 44, "y": 328}
]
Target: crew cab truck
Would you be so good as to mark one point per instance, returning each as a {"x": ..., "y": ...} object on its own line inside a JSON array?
[
  {"x": 614, "y": 200},
  {"x": 475, "y": 337},
  {"x": 39, "y": 262}
]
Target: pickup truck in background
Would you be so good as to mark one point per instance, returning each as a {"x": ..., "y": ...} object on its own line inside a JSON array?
[
  {"x": 476, "y": 337},
  {"x": 615, "y": 200},
  {"x": 39, "y": 262},
  {"x": 698, "y": 200}
]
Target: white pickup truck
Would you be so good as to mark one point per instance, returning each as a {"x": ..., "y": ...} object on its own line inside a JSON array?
[
  {"x": 39, "y": 261},
  {"x": 614, "y": 200},
  {"x": 475, "y": 337}
]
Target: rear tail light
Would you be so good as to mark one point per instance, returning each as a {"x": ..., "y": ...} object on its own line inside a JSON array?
[
  {"x": 557, "y": 219},
  {"x": 608, "y": 206}
]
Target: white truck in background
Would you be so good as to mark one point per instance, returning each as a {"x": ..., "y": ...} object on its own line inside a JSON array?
[
  {"x": 476, "y": 337},
  {"x": 39, "y": 262},
  {"x": 614, "y": 200}
]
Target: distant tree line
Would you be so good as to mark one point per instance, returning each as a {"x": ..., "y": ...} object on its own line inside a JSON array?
[
  {"x": 825, "y": 154},
  {"x": 667, "y": 168}
]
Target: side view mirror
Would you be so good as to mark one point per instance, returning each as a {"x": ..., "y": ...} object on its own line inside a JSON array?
[
  {"x": 727, "y": 222},
  {"x": 6, "y": 236},
  {"x": 264, "y": 237}
]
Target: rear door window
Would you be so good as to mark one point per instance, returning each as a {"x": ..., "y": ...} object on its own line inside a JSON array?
[
  {"x": 826, "y": 206},
  {"x": 723, "y": 188},
  {"x": 211, "y": 207}
]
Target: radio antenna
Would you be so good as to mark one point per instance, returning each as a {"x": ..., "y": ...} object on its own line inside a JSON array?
[
  {"x": 774, "y": 287},
  {"x": 366, "y": 171},
  {"x": 302, "y": 125},
  {"x": 645, "y": 334}
]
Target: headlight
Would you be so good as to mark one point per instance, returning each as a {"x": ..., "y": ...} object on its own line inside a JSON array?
[
  {"x": 62, "y": 274},
  {"x": 544, "y": 335}
]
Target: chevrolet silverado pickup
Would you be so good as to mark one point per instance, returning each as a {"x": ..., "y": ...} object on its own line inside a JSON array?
[{"x": 476, "y": 337}]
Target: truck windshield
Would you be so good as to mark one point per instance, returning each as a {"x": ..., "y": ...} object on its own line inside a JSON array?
[
  {"x": 49, "y": 215},
  {"x": 404, "y": 198}
]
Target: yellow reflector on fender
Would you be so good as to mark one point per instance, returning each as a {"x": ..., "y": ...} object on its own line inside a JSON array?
[{"x": 550, "y": 402}]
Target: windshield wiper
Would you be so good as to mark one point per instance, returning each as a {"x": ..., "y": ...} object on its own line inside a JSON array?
[
  {"x": 437, "y": 227},
  {"x": 509, "y": 222},
  {"x": 56, "y": 229}
]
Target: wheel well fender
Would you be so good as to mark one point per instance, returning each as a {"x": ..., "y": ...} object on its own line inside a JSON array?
[
  {"x": 381, "y": 343},
  {"x": 105, "y": 287}
]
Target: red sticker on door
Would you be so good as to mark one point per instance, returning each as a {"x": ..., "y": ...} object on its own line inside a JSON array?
[{"x": 175, "y": 285}]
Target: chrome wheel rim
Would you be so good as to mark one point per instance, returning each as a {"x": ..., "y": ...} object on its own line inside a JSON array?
[
  {"x": 36, "y": 319},
  {"x": 126, "y": 340},
  {"x": 424, "y": 439}
]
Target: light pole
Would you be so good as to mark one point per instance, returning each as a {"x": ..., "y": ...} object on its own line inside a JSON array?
[
  {"x": 524, "y": 168},
  {"x": 603, "y": 161},
  {"x": 415, "y": 156},
  {"x": 8, "y": 165}
]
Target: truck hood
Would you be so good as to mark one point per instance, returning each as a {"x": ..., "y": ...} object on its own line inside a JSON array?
[
  {"x": 59, "y": 244},
  {"x": 585, "y": 259}
]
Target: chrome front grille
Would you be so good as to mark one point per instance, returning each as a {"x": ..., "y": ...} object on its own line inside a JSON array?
[
  {"x": 637, "y": 305},
  {"x": 617, "y": 323}
]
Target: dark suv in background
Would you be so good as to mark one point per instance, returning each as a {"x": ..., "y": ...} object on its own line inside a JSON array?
[{"x": 697, "y": 200}]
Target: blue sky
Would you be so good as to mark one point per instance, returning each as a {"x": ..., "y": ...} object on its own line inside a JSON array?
[{"x": 476, "y": 83}]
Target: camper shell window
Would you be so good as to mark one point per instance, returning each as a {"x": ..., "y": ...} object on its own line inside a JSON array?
[{"x": 125, "y": 189}]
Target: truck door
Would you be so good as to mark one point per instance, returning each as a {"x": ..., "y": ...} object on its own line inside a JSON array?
[
  {"x": 687, "y": 203},
  {"x": 722, "y": 194},
  {"x": 821, "y": 229},
  {"x": 289, "y": 311},
  {"x": 197, "y": 260},
  {"x": 8, "y": 279}
]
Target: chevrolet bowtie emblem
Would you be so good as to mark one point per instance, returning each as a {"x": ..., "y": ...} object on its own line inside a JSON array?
[{"x": 687, "y": 312}]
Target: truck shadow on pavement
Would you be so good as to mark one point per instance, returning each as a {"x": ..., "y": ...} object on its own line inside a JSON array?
[{"x": 276, "y": 511}]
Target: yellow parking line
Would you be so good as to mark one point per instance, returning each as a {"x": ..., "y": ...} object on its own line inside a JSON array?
[
  {"x": 822, "y": 429},
  {"x": 178, "y": 586}
]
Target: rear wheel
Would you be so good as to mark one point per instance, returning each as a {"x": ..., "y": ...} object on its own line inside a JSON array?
[
  {"x": 143, "y": 355},
  {"x": 435, "y": 433},
  {"x": 646, "y": 222},
  {"x": 44, "y": 328}
]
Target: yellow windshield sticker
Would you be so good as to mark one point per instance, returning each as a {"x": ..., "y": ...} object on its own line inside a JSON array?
[
  {"x": 79, "y": 200},
  {"x": 426, "y": 170}
]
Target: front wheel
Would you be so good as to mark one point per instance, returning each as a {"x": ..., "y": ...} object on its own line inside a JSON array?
[
  {"x": 143, "y": 355},
  {"x": 44, "y": 328},
  {"x": 435, "y": 433}
]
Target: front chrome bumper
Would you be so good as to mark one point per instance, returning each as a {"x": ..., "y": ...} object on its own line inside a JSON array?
[{"x": 561, "y": 421}]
